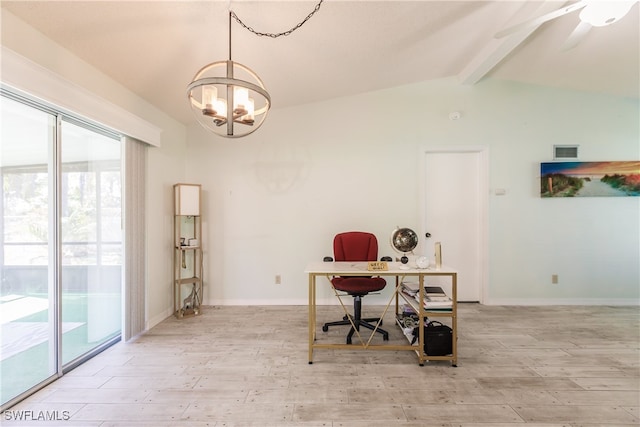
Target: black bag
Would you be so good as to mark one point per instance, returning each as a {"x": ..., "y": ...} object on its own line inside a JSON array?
[{"x": 438, "y": 339}]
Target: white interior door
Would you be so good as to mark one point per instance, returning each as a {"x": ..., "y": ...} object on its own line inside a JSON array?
[{"x": 455, "y": 195}]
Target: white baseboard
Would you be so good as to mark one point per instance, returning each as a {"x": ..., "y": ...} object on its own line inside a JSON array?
[
  {"x": 489, "y": 301},
  {"x": 563, "y": 301},
  {"x": 249, "y": 302},
  {"x": 293, "y": 301},
  {"x": 157, "y": 319}
]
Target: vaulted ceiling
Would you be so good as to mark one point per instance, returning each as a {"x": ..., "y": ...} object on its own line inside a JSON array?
[{"x": 154, "y": 48}]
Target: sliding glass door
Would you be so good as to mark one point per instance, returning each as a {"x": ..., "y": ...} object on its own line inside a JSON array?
[{"x": 61, "y": 252}]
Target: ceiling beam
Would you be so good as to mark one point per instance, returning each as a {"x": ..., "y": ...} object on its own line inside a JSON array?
[{"x": 499, "y": 48}]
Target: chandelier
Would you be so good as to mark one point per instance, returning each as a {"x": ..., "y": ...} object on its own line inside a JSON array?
[{"x": 228, "y": 98}]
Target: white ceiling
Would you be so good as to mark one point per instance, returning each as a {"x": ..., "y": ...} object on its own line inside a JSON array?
[{"x": 154, "y": 48}]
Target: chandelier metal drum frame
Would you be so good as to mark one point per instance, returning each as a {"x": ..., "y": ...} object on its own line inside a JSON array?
[{"x": 216, "y": 86}]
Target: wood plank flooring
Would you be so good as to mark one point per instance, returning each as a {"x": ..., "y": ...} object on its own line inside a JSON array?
[{"x": 572, "y": 366}]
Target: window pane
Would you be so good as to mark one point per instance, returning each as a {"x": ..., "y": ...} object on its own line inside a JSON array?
[
  {"x": 91, "y": 239},
  {"x": 26, "y": 303}
]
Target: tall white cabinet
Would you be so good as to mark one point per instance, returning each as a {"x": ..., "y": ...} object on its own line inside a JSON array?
[{"x": 187, "y": 242}]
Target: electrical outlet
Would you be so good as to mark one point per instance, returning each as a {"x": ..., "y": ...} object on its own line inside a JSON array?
[
  {"x": 278, "y": 279},
  {"x": 554, "y": 279}
]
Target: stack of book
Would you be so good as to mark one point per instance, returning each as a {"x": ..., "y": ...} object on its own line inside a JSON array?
[{"x": 435, "y": 299}]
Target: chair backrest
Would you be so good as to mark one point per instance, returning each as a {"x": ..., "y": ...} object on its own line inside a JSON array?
[{"x": 355, "y": 246}]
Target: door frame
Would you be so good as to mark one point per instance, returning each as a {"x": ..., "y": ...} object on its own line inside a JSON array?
[{"x": 483, "y": 189}]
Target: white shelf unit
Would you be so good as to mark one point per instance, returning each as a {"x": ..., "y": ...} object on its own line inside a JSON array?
[{"x": 188, "y": 256}]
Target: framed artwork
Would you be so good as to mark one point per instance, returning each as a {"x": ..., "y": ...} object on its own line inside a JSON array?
[{"x": 590, "y": 179}]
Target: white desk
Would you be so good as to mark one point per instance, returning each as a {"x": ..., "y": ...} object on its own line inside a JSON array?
[{"x": 330, "y": 269}]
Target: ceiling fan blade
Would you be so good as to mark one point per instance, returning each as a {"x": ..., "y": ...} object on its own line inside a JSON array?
[
  {"x": 536, "y": 22},
  {"x": 576, "y": 35}
]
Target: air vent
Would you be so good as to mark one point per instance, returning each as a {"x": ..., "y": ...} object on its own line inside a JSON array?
[{"x": 565, "y": 152}]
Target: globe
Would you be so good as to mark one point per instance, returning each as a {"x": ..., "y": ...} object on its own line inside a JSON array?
[{"x": 404, "y": 240}]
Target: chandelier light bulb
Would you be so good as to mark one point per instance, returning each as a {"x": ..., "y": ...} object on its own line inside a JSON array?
[
  {"x": 210, "y": 100},
  {"x": 240, "y": 98},
  {"x": 221, "y": 107},
  {"x": 249, "y": 117}
]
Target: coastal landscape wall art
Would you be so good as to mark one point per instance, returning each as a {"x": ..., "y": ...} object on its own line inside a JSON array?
[{"x": 590, "y": 179}]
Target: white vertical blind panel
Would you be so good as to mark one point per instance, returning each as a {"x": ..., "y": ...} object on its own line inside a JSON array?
[{"x": 134, "y": 321}]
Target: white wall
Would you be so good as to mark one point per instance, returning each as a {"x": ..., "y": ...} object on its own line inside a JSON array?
[{"x": 274, "y": 200}]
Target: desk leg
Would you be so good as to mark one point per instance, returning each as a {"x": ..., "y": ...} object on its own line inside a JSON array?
[
  {"x": 421, "y": 357},
  {"x": 396, "y": 295},
  {"x": 454, "y": 320},
  {"x": 312, "y": 314}
]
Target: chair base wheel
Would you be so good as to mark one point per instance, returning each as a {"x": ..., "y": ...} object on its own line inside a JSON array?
[{"x": 325, "y": 328}]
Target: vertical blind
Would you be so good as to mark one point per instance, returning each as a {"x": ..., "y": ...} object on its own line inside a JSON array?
[{"x": 134, "y": 237}]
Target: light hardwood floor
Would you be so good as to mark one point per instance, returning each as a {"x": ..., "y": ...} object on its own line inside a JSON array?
[{"x": 248, "y": 366}]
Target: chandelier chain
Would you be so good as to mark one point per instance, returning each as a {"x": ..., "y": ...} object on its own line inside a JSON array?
[{"x": 274, "y": 35}]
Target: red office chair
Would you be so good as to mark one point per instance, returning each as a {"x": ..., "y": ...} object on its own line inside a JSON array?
[{"x": 356, "y": 246}]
